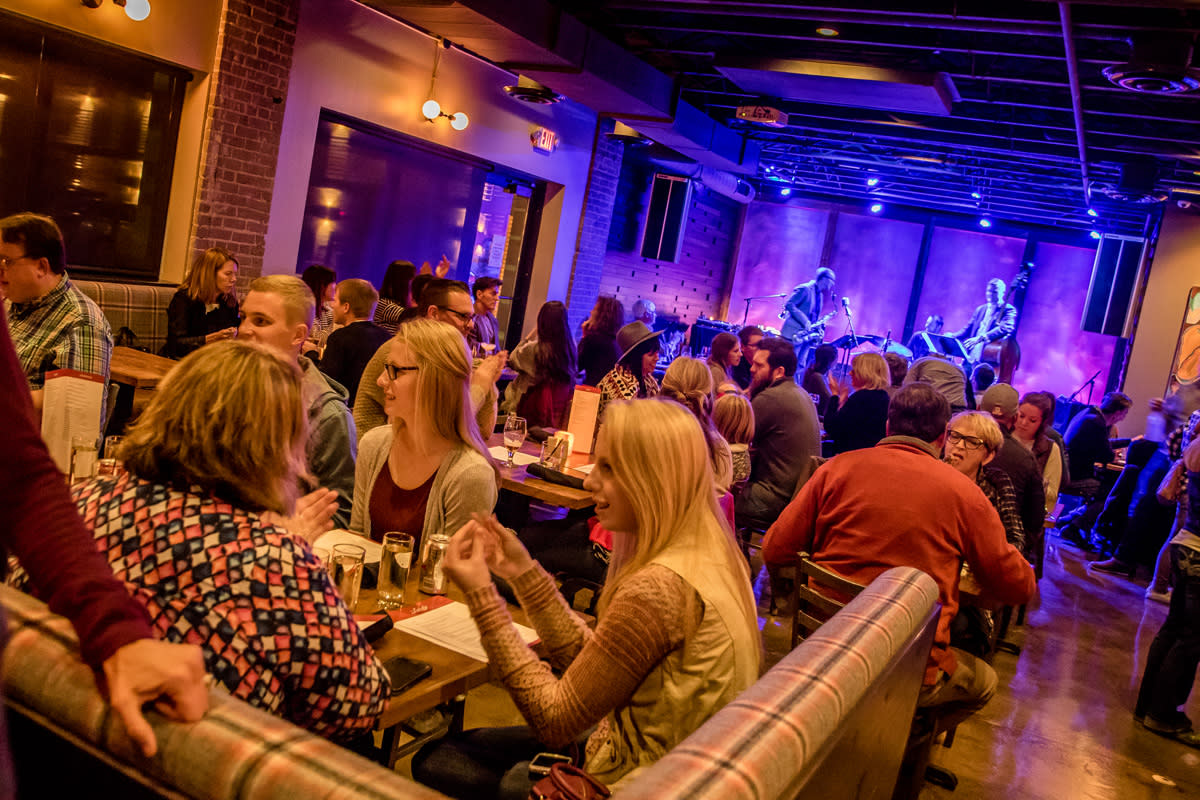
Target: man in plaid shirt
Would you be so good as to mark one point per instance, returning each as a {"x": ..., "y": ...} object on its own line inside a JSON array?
[{"x": 53, "y": 324}]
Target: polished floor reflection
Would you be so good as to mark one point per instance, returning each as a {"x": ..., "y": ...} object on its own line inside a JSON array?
[{"x": 1062, "y": 724}]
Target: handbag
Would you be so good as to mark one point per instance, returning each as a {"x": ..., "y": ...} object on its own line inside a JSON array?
[
  {"x": 568, "y": 782},
  {"x": 1172, "y": 483}
]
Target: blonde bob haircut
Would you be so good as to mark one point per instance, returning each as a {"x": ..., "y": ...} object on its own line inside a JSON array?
[
  {"x": 443, "y": 397},
  {"x": 229, "y": 419},
  {"x": 299, "y": 304},
  {"x": 674, "y": 500},
  {"x": 201, "y": 281},
  {"x": 979, "y": 424},
  {"x": 870, "y": 371},
  {"x": 734, "y": 417}
]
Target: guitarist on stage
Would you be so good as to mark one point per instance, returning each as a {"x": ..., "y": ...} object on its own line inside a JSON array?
[
  {"x": 993, "y": 321},
  {"x": 802, "y": 322}
]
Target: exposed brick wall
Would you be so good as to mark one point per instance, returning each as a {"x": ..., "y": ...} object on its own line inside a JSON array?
[
  {"x": 592, "y": 242},
  {"x": 695, "y": 284},
  {"x": 242, "y": 128}
]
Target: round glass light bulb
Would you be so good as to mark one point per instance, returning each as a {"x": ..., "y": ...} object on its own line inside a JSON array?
[
  {"x": 459, "y": 121},
  {"x": 431, "y": 109},
  {"x": 137, "y": 10}
]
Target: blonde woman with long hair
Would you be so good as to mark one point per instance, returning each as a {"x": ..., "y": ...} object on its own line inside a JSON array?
[
  {"x": 428, "y": 471},
  {"x": 689, "y": 382},
  {"x": 677, "y": 636},
  {"x": 205, "y": 307},
  {"x": 859, "y": 420},
  {"x": 212, "y": 462}
]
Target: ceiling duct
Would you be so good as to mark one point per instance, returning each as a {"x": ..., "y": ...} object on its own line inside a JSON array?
[
  {"x": 1161, "y": 64},
  {"x": 1136, "y": 185},
  {"x": 723, "y": 183}
]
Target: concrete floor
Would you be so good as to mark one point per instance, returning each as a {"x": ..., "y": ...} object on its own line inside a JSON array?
[{"x": 1061, "y": 725}]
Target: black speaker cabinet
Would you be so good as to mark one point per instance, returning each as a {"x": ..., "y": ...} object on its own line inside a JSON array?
[
  {"x": 1115, "y": 277},
  {"x": 666, "y": 217}
]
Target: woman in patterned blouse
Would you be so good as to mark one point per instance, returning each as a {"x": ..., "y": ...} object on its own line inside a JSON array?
[
  {"x": 633, "y": 376},
  {"x": 214, "y": 459}
]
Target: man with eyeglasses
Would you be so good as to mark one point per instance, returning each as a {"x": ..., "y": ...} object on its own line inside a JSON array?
[
  {"x": 897, "y": 504},
  {"x": 53, "y": 324}
]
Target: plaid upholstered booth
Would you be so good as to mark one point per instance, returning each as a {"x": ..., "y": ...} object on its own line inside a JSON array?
[
  {"x": 829, "y": 721},
  {"x": 141, "y": 307}
]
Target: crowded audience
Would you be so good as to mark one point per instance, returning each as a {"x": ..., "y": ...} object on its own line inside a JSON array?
[
  {"x": 858, "y": 420},
  {"x": 545, "y": 363},
  {"x": 356, "y": 338},
  {"x": 598, "y": 350}
]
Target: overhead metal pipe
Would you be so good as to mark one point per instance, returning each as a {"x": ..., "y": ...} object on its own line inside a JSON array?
[{"x": 1064, "y": 15}]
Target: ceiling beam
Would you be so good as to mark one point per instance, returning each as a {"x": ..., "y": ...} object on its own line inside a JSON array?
[{"x": 1064, "y": 12}]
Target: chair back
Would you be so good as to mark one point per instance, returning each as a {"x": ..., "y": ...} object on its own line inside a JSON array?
[{"x": 811, "y": 607}]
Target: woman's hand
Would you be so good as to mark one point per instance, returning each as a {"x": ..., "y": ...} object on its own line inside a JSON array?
[
  {"x": 221, "y": 335},
  {"x": 506, "y": 555},
  {"x": 840, "y": 389},
  {"x": 466, "y": 562},
  {"x": 312, "y": 517}
]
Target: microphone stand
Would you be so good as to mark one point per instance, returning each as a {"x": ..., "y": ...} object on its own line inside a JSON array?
[
  {"x": 1089, "y": 384},
  {"x": 749, "y": 300},
  {"x": 853, "y": 335}
]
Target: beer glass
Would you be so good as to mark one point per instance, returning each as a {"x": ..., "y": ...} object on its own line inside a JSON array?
[{"x": 394, "y": 563}]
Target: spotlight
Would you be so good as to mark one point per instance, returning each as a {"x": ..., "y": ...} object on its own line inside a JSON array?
[
  {"x": 785, "y": 192},
  {"x": 431, "y": 109},
  {"x": 1094, "y": 234},
  {"x": 1091, "y": 212},
  {"x": 459, "y": 121},
  {"x": 976, "y": 196},
  {"x": 873, "y": 181},
  {"x": 136, "y": 10},
  {"x": 827, "y": 31},
  {"x": 876, "y": 208},
  {"x": 985, "y": 222}
]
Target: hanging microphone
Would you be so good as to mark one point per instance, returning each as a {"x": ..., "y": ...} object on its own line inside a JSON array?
[{"x": 846, "y": 304}]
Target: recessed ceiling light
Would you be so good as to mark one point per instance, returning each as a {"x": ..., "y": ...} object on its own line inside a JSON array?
[
  {"x": 876, "y": 208},
  {"x": 827, "y": 31}
]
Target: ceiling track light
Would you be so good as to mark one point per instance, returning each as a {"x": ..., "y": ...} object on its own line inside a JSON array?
[
  {"x": 136, "y": 10},
  {"x": 431, "y": 109}
]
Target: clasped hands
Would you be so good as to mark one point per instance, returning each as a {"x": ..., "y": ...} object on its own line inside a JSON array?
[{"x": 484, "y": 547}]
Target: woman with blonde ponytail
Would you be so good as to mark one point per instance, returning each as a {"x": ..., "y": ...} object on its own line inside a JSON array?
[
  {"x": 688, "y": 381},
  {"x": 677, "y": 635}
]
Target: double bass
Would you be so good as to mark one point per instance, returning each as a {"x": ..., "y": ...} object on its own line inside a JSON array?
[{"x": 1005, "y": 354}]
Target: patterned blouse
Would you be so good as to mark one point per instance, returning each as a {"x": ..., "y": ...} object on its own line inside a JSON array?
[
  {"x": 273, "y": 628},
  {"x": 621, "y": 384}
]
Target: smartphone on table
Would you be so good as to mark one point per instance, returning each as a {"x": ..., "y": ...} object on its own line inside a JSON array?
[{"x": 406, "y": 673}]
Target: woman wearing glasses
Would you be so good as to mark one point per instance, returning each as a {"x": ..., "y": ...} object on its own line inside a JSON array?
[
  {"x": 428, "y": 471},
  {"x": 972, "y": 440}
]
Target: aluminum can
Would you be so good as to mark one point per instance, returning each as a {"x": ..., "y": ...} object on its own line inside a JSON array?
[{"x": 433, "y": 572}]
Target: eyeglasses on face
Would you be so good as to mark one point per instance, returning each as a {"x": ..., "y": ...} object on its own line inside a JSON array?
[
  {"x": 393, "y": 370},
  {"x": 461, "y": 315},
  {"x": 969, "y": 442},
  {"x": 6, "y": 262}
]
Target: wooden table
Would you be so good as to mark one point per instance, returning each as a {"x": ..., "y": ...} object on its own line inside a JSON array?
[
  {"x": 454, "y": 674},
  {"x": 137, "y": 369},
  {"x": 516, "y": 479}
]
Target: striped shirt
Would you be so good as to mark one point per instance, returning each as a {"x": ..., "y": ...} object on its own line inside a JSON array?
[{"x": 63, "y": 329}]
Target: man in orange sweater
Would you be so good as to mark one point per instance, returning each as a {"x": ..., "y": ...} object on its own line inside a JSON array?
[{"x": 898, "y": 505}]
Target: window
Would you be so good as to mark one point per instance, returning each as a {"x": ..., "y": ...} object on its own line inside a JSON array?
[{"x": 87, "y": 136}]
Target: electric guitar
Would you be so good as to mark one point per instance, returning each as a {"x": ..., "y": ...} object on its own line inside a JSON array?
[{"x": 803, "y": 336}]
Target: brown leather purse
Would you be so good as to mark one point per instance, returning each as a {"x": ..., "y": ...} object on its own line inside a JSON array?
[{"x": 568, "y": 782}]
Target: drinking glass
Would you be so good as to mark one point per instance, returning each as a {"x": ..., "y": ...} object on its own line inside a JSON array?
[
  {"x": 346, "y": 568},
  {"x": 514, "y": 435},
  {"x": 110, "y": 465},
  {"x": 395, "y": 561},
  {"x": 83, "y": 459}
]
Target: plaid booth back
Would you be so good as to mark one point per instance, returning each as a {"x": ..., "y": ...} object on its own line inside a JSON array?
[{"x": 140, "y": 307}]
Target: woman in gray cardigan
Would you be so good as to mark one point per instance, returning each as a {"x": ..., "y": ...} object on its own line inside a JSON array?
[{"x": 429, "y": 470}]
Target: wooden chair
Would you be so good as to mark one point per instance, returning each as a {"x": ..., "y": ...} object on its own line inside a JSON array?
[{"x": 812, "y": 608}]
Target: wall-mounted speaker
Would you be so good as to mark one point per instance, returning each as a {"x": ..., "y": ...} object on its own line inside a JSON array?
[
  {"x": 1116, "y": 275},
  {"x": 666, "y": 216}
]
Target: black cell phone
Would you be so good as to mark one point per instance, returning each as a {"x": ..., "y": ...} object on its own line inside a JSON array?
[
  {"x": 406, "y": 673},
  {"x": 375, "y": 631},
  {"x": 540, "y": 766}
]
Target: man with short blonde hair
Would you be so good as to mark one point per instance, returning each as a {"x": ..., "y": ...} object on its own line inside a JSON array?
[{"x": 278, "y": 312}]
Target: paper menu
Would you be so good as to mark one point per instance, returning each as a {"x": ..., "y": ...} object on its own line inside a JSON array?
[
  {"x": 71, "y": 406},
  {"x": 327, "y": 540},
  {"x": 520, "y": 459},
  {"x": 450, "y": 626},
  {"x": 585, "y": 409}
]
